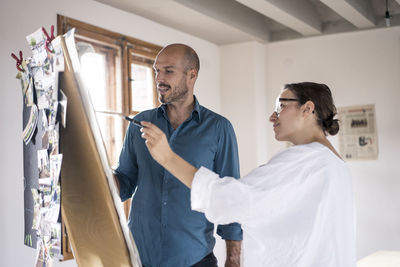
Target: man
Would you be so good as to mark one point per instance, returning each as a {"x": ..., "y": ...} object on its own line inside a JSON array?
[{"x": 166, "y": 231}]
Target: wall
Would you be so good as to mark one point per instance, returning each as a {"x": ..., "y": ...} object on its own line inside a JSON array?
[
  {"x": 243, "y": 98},
  {"x": 19, "y": 18},
  {"x": 360, "y": 68}
]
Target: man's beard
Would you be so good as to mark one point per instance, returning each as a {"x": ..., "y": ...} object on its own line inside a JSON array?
[{"x": 176, "y": 95}]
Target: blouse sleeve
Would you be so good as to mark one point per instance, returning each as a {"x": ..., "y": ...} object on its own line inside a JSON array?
[
  {"x": 222, "y": 200},
  {"x": 229, "y": 200}
]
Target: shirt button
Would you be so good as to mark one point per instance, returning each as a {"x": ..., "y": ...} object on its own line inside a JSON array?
[{"x": 165, "y": 203}]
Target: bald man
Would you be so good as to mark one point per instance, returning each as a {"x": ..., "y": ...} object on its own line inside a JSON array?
[{"x": 166, "y": 230}]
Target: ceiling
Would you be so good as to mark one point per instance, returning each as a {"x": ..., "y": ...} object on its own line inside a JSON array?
[{"x": 233, "y": 21}]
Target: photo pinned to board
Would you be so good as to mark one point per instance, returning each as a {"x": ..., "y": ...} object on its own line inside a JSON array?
[
  {"x": 37, "y": 203},
  {"x": 43, "y": 258},
  {"x": 58, "y": 55},
  {"x": 53, "y": 212},
  {"x": 55, "y": 242},
  {"x": 37, "y": 42},
  {"x": 45, "y": 133},
  {"x": 43, "y": 99},
  {"x": 55, "y": 167},
  {"x": 53, "y": 142},
  {"x": 43, "y": 163},
  {"x": 52, "y": 120},
  {"x": 26, "y": 84},
  {"x": 30, "y": 127},
  {"x": 45, "y": 188},
  {"x": 44, "y": 78},
  {"x": 28, "y": 94}
]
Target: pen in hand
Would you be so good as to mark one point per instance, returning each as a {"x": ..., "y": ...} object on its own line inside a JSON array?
[{"x": 136, "y": 122}]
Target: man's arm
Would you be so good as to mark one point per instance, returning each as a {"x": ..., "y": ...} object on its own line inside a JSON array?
[
  {"x": 227, "y": 164},
  {"x": 233, "y": 249},
  {"x": 126, "y": 174}
]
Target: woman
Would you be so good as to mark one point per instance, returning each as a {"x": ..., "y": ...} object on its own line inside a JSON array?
[{"x": 297, "y": 210}]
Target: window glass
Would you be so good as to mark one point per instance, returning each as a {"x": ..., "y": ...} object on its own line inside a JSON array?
[
  {"x": 93, "y": 68},
  {"x": 142, "y": 87},
  {"x": 99, "y": 71}
]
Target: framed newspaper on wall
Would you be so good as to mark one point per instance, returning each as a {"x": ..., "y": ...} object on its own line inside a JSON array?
[{"x": 358, "y": 136}]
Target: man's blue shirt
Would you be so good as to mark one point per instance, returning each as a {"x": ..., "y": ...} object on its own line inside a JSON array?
[{"x": 166, "y": 230}]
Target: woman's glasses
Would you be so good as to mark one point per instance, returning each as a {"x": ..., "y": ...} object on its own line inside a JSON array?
[{"x": 279, "y": 106}]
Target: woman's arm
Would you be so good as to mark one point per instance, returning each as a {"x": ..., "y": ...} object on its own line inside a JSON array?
[
  {"x": 222, "y": 200},
  {"x": 157, "y": 143}
]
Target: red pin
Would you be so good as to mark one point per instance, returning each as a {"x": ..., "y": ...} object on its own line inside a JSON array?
[
  {"x": 19, "y": 60},
  {"x": 49, "y": 38}
]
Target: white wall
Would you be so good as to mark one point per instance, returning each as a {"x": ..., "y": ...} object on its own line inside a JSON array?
[
  {"x": 243, "y": 99},
  {"x": 19, "y": 18},
  {"x": 360, "y": 68}
]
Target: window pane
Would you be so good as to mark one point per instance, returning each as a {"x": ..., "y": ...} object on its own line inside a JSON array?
[
  {"x": 99, "y": 70},
  {"x": 94, "y": 76},
  {"x": 110, "y": 127},
  {"x": 142, "y": 87}
]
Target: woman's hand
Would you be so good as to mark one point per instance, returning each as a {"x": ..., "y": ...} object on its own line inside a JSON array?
[{"x": 156, "y": 142}]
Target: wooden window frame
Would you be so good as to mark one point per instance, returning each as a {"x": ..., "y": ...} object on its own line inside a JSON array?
[
  {"x": 129, "y": 46},
  {"x": 133, "y": 58}
]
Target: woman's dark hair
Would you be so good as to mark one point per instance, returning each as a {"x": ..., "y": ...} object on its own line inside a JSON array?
[{"x": 321, "y": 96}]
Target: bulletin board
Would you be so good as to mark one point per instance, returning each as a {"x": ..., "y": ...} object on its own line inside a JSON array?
[
  {"x": 31, "y": 172},
  {"x": 38, "y": 74}
]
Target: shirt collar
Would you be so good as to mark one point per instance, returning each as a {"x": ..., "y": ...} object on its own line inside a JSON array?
[{"x": 162, "y": 110}]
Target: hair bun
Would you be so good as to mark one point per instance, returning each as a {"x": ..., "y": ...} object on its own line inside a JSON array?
[{"x": 331, "y": 125}]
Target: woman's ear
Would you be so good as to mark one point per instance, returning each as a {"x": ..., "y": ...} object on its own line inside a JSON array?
[{"x": 309, "y": 108}]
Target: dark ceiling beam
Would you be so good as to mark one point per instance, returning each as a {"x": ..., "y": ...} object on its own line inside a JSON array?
[
  {"x": 233, "y": 14},
  {"x": 357, "y": 12},
  {"x": 299, "y": 15}
]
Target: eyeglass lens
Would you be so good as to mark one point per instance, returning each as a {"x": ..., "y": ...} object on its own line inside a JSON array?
[{"x": 278, "y": 106}]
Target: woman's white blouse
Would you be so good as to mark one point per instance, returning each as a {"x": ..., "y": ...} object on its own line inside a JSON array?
[{"x": 295, "y": 211}]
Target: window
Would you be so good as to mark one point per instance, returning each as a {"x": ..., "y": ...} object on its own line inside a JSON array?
[
  {"x": 143, "y": 95},
  {"x": 118, "y": 72},
  {"x": 99, "y": 63}
]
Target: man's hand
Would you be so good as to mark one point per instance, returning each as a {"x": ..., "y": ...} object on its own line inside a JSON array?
[{"x": 233, "y": 249}]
